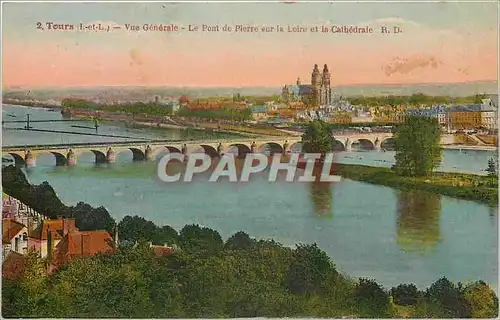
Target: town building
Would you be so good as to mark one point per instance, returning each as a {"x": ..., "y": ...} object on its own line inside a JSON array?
[
  {"x": 216, "y": 105},
  {"x": 259, "y": 112},
  {"x": 14, "y": 237},
  {"x": 438, "y": 112},
  {"x": 76, "y": 243},
  {"x": 12, "y": 208},
  {"x": 161, "y": 251},
  {"x": 57, "y": 240},
  {"x": 473, "y": 116},
  {"x": 317, "y": 93}
]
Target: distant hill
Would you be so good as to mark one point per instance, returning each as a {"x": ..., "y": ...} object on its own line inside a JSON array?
[{"x": 124, "y": 93}]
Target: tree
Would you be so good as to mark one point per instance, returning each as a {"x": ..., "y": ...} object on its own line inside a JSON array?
[
  {"x": 405, "y": 294},
  {"x": 195, "y": 239},
  {"x": 318, "y": 138},
  {"x": 492, "y": 167},
  {"x": 371, "y": 299},
  {"x": 308, "y": 269},
  {"x": 482, "y": 300},
  {"x": 418, "y": 149},
  {"x": 31, "y": 290},
  {"x": 136, "y": 229},
  {"x": 449, "y": 298},
  {"x": 239, "y": 241},
  {"x": 88, "y": 218},
  {"x": 165, "y": 235}
]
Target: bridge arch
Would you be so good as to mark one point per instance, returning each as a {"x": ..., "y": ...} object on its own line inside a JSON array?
[
  {"x": 338, "y": 145},
  {"x": 137, "y": 154},
  {"x": 61, "y": 159},
  {"x": 209, "y": 150},
  {"x": 365, "y": 144},
  {"x": 173, "y": 149},
  {"x": 243, "y": 149},
  {"x": 100, "y": 157},
  {"x": 388, "y": 143},
  {"x": 272, "y": 147},
  {"x": 18, "y": 159}
]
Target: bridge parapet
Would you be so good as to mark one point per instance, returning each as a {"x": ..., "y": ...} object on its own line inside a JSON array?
[{"x": 106, "y": 152}]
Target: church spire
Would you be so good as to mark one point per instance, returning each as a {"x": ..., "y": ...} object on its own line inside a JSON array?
[{"x": 315, "y": 76}]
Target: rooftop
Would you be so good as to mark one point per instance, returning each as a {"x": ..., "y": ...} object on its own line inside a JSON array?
[
  {"x": 10, "y": 228},
  {"x": 472, "y": 108}
]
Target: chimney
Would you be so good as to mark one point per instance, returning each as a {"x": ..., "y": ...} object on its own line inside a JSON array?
[{"x": 85, "y": 240}]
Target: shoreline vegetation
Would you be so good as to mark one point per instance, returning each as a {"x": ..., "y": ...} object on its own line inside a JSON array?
[
  {"x": 483, "y": 189},
  {"x": 208, "y": 277}
]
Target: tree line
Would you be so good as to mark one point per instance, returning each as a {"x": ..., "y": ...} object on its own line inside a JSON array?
[
  {"x": 134, "y": 108},
  {"x": 416, "y": 99}
]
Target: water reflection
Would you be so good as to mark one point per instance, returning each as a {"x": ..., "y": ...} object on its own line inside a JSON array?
[
  {"x": 493, "y": 211},
  {"x": 418, "y": 216},
  {"x": 321, "y": 197}
]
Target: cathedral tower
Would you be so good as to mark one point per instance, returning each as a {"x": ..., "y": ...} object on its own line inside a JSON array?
[
  {"x": 316, "y": 84},
  {"x": 315, "y": 77},
  {"x": 326, "y": 96}
]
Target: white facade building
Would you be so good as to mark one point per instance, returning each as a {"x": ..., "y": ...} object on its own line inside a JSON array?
[{"x": 14, "y": 237}]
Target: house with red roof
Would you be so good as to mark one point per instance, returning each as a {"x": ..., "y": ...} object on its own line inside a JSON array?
[
  {"x": 161, "y": 251},
  {"x": 59, "y": 240},
  {"x": 80, "y": 244}
]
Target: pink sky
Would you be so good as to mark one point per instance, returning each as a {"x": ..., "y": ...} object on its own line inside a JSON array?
[{"x": 425, "y": 56}]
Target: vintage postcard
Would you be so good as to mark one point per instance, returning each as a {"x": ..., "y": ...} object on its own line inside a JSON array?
[{"x": 250, "y": 159}]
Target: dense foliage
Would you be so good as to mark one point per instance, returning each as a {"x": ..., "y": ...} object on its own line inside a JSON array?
[
  {"x": 492, "y": 168},
  {"x": 318, "y": 138},
  {"x": 416, "y": 99},
  {"x": 418, "y": 149},
  {"x": 150, "y": 108},
  {"x": 242, "y": 277},
  {"x": 465, "y": 186},
  {"x": 42, "y": 198}
]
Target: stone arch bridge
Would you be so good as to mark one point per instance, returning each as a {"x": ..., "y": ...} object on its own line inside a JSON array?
[{"x": 67, "y": 154}]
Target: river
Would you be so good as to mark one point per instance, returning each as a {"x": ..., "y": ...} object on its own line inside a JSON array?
[{"x": 369, "y": 231}]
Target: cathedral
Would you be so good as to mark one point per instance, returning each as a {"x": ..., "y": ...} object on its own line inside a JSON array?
[{"x": 316, "y": 94}]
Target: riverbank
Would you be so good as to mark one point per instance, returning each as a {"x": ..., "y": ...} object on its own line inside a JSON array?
[
  {"x": 468, "y": 147},
  {"x": 483, "y": 189},
  {"x": 150, "y": 125}
]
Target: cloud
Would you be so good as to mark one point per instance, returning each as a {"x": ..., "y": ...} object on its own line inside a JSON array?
[{"x": 406, "y": 65}]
